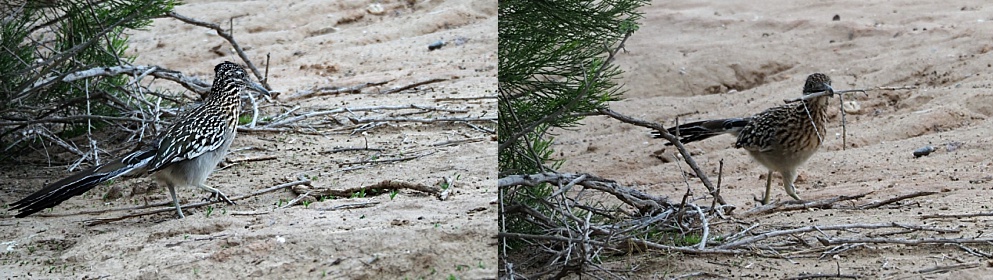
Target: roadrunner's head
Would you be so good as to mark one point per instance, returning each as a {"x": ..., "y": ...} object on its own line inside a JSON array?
[
  {"x": 229, "y": 77},
  {"x": 818, "y": 83}
]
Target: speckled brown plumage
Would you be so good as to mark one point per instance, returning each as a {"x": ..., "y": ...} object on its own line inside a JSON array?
[
  {"x": 780, "y": 138},
  {"x": 184, "y": 155}
]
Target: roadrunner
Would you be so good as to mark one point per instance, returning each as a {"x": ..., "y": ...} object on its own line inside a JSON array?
[
  {"x": 780, "y": 138},
  {"x": 184, "y": 155}
]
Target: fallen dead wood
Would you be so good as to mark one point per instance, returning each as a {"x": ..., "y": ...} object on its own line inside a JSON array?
[
  {"x": 753, "y": 239},
  {"x": 948, "y": 268},
  {"x": 836, "y": 241},
  {"x": 350, "y": 149},
  {"x": 99, "y": 221},
  {"x": 381, "y": 187},
  {"x": 792, "y": 205},
  {"x": 323, "y": 91},
  {"x": 410, "y": 86},
  {"x": 644, "y": 202},
  {"x": 956, "y": 216},
  {"x": 421, "y": 120},
  {"x": 679, "y": 146},
  {"x": 250, "y": 159},
  {"x": 286, "y": 120},
  {"x": 349, "y": 206},
  {"x": 566, "y": 227},
  {"x": 464, "y": 98},
  {"x": 893, "y": 200},
  {"x": 459, "y": 141},
  {"x": 378, "y": 161},
  {"x": 828, "y": 276}
]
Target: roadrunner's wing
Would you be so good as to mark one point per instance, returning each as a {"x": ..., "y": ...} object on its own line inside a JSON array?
[{"x": 200, "y": 132}]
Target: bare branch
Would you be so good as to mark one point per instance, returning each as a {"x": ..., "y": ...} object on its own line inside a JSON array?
[
  {"x": 322, "y": 91},
  {"x": 895, "y": 199},
  {"x": 410, "y": 86},
  {"x": 227, "y": 36},
  {"x": 679, "y": 146}
]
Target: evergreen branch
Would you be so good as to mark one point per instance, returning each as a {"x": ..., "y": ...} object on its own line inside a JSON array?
[{"x": 572, "y": 103}]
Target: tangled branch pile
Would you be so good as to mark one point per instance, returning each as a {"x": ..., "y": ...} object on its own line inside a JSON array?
[
  {"x": 46, "y": 44},
  {"x": 586, "y": 219}
]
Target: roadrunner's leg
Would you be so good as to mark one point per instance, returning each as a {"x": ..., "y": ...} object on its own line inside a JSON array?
[
  {"x": 184, "y": 155},
  {"x": 789, "y": 176},
  {"x": 780, "y": 138},
  {"x": 768, "y": 188},
  {"x": 175, "y": 201}
]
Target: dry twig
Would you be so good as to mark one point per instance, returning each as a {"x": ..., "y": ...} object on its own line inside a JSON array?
[
  {"x": 381, "y": 186},
  {"x": 227, "y": 36},
  {"x": 99, "y": 221},
  {"x": 322, "y": 91},
  {"x": 792, "y": 205},
  {"x": 679, "y": 146},
  {"x": 410, "y": 86},
  {"x": 893, "y": 200}
]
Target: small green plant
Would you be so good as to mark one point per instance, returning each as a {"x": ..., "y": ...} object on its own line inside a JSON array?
[
  {"x": 445, "y": 185},
  {"x": 210, "y": 210},
  {"x": 687, "y": 240},
  {"x": 359, "y": 194},
  {"x": 393, "y": 194},
  {"x": 306, "y": 204},
  {"x": 244, "y": 119}
]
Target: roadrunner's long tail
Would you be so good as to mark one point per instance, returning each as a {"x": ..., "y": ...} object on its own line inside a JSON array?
[
  {"x": 79, "y": 183},
  {"x": 696, "y": 131},
  {"x": 781, "y": 138},
  {"x": 184, "y": 155}
]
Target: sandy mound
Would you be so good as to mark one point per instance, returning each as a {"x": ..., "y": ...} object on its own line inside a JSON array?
[{"x": 312, "y": 44}]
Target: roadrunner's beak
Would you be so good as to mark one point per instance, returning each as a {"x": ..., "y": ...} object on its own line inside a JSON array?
[
  {"x": 257, "y": 88},
  {"x": 829, "y": 92}
]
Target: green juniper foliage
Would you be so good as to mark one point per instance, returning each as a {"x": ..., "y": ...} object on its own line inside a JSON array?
[
  {"x": 43, "y": 41},
  {"x": 554, "y": 69}
]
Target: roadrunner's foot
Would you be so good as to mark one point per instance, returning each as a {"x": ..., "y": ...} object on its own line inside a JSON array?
[
  {"x": 219, "y": 196},
  {"x": 780, "y": 138}
]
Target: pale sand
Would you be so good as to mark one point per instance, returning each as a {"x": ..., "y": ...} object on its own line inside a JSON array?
[
  {"x": 411, "y": 236},
  {"x": 684, "y": 57}
]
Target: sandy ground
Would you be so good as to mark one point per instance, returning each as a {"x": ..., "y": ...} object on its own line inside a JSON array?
[
  {"x": 312, "y": 44},
  {"x": 712, "y": 59}
]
